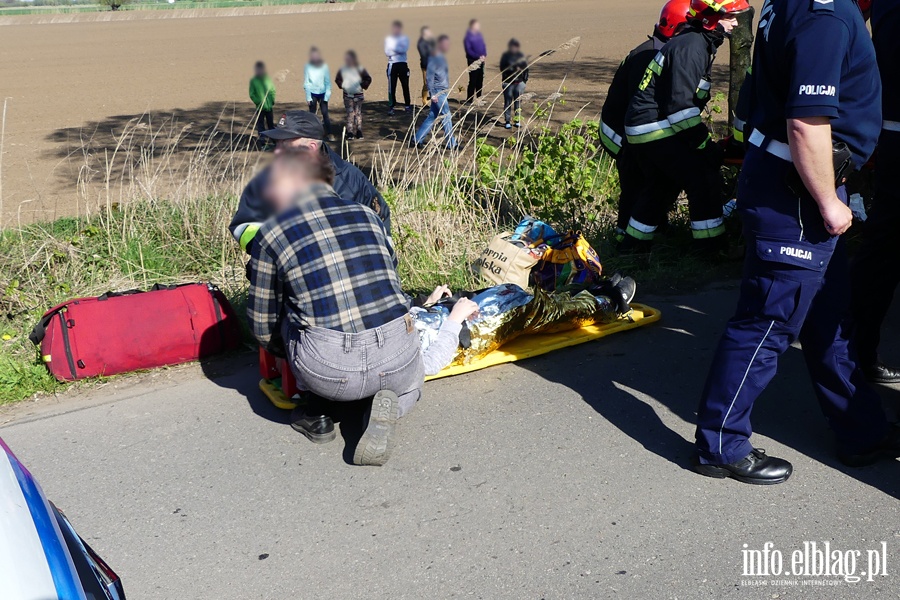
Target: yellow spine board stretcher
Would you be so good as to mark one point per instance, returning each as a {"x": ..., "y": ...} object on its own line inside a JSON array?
[{"x": 526, "y": 346}]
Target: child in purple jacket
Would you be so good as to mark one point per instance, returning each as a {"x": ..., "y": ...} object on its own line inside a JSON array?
[{"x": 476, "y": 50}]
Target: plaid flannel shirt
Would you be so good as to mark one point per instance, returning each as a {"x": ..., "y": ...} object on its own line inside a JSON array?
[{"x": 327, "y": 262}]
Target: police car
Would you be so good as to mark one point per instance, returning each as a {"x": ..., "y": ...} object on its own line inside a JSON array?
[{"x": 41, "y": 556}]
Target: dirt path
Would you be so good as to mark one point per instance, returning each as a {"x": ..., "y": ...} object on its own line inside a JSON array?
[{"x": 74, "y": 87}]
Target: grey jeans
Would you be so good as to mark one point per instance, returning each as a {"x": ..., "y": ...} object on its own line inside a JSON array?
[{"x": 353, "y": 366}]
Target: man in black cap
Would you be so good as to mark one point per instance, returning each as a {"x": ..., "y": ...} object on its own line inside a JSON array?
[{"x": 302, "y": 129}]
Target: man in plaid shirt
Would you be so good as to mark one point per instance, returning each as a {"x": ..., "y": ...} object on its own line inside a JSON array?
[{"x": 324, "y": 288}]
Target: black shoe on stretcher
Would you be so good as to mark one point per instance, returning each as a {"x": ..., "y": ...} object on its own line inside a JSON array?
[{"x": 757, "y": 468}]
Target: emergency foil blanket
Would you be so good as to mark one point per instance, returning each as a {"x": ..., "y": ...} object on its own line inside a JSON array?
[{"x": 507, "y": 312}]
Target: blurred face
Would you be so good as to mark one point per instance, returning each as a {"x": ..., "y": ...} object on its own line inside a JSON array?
[
  {"x": 260, "y": 71},
  {"x": 728, "y": 24},
  {"x": 283, "y": 187},
  {"x": 476, "y": 26},
  {"x": 348, "y": 60},
  {"x": 315, "y": 57},
  {"x": 513, "y": 47},
  {"x": 444, "y": 46},
  {"x": 396, "y": 29},
  {"x": 282, "y": 145},
  {"x": 427, "y": 34}
]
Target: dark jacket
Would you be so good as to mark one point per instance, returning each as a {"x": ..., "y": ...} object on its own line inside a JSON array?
[
  {"x": 426, "y": 49},
  {"x": 623, "y": 87},
  {"x": 514, "y": 68},
  {"x": 349, "y": 183},
  {"x": 674, "y": 90}
]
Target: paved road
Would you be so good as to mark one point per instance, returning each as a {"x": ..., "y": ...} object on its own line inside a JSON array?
[{"x": 559, "y": 477}]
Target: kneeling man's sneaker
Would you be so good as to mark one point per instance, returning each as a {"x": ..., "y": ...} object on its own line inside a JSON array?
[
  {"x": 756, "y": 468},
  {"x": 377, "y": 441}
]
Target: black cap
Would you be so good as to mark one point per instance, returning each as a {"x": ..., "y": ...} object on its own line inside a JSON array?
[{"x": 296, "y": 124}]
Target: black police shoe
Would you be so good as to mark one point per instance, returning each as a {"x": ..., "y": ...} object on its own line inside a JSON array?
[
  {"x": 886, "y": 449},
  {"x": 377, "y": 441},
  {"x": 309, "y": 420},
  {"x": 756, "y": 468},
  {"x": 881, "y": 373}
]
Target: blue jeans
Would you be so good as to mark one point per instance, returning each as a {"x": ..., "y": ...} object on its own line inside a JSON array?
[
  {"x": 796, "y": 287},
  {"x": 511, "y": 103},
  {"x": 441, "y": 108}
]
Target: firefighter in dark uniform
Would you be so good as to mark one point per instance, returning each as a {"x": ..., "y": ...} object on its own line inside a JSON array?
[
  {"x": 815, "y": 99},
  {"x": 875, "y": 269},
  {"x": 612, "y": 117},
  {"x": 664, "y": 126}
]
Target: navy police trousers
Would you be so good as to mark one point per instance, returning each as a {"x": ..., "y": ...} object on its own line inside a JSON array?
[{"x": 795, "y": 287}]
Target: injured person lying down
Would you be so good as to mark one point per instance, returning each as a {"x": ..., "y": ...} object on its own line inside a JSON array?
[
  {"x": 506, "y": 312},
  {"x": 325, "y": 294}
]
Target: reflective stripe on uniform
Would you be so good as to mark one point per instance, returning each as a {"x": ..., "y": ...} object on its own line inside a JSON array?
[
  {"x": 654, "y": 68},
  {"x": 737, "y": 129},
  {"x": 703, "y": 89},
  {"x": 708, "y": 229},
  {"x": 647, "y": 128},
  {"x": 639, "y": 230},
  {"x": 245, "y": 233},
  {"x": 685, "y": 119},
  {"x": 679, "y": 121},
  {"x": 640, "y": 134},
  {"x": 891, "y": 125},
  {"x": 773, "y": 147},
  {"x": 651, "y": 136},
  {"x": 610, "y": 139}
]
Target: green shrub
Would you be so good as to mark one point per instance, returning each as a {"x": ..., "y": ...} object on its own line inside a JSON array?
[{"x": 561, "y": 177}]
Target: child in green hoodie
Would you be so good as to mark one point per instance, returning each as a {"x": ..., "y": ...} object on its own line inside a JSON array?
[{"x": 262, "y": 93}]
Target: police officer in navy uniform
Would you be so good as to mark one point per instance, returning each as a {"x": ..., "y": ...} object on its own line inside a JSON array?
[
  {"x": 815, "y": 99},
  {"x": 665, "y": 129},
  {"x": 612, "y": 116},
  {"x": 875, "y": 270}
]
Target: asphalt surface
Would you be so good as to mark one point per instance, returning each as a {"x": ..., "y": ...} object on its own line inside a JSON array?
[{"x": 559, "y": 477}]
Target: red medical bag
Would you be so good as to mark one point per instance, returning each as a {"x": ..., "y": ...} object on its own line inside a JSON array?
[{"x": 129, "y": 331}]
